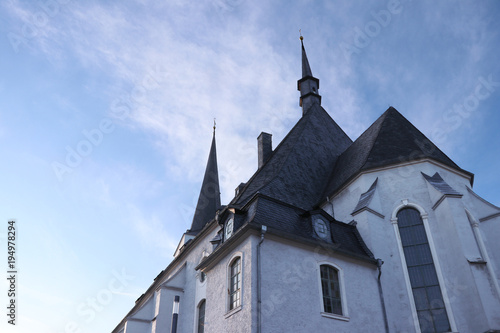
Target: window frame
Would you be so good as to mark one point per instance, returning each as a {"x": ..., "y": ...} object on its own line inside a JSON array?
[
  {"x": 198, "y": 308},
  {"x": 405, "y": 203},
  {"x": 229, "y": 309},
  {"x": 343, "y": 299},
  {"x": 235, "y": 283}
]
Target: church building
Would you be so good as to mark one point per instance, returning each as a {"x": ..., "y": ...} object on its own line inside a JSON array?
[{"x": 383, "y": 234}]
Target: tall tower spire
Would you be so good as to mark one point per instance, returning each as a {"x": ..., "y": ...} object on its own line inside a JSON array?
[
  {"x": 308, "y": 85},
  {"x": 209, "y": 199}
]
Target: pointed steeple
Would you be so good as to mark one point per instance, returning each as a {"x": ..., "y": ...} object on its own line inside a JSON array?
[
  {"x": 306, "y": 69},
  {"x": 308, "y": 85},
  {"x": 209, "y": 199}
]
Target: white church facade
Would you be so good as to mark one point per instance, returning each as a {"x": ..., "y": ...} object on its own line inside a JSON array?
[{"x": 381, "y": 234}]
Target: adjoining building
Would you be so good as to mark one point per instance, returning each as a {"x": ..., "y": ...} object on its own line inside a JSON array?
[{"x": 383, "y": 234}]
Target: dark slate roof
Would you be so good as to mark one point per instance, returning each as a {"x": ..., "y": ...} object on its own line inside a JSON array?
[
  {"x": 347, "y": 237},
  {"x": 390, "y": 140},
  {"x": 289, "y": 220},
  {"x": 365, "y": 198},
  {"x": 209, "y": 199},
  {"x": 299, "y": 168},
  {"x": 439, "y": 184}
]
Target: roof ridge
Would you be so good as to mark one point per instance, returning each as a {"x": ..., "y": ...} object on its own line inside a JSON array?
[
  {"x": 316, "y": 136},
  {"x": 382, "y": 121},
  {"x": 326, "y": 192},
  {"x": 278, "y": 147},
  {"x": 429, "y": 140}
]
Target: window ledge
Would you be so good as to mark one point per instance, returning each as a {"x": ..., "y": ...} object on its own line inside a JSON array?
[
  {"x": 232, "y": 312},
  {"x": 335, "y": 316}
]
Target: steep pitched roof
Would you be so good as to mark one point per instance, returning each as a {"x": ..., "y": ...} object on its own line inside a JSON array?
[
  {"x": 209, "y": 199},
  {"x": 391, "y": 139},
  {"x": 299, "y": 168}
]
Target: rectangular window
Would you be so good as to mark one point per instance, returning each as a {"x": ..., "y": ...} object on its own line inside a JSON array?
[
  {"x": 235, "y": 284},
  {"x": 331, "y": 290}
]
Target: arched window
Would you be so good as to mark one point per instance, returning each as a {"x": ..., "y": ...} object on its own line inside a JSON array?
[
  {"x": 330, "y": 287},
  {"x": 431, "y": 311},
  {"x": 201, "y": 317},
  {"x": 235, "y": 284}
]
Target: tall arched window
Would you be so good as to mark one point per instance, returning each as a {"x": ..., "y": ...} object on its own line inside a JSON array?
[
  {"x": 330, "y": 287},
  {"x": 427, "y": 295},
  {"x": 235, "y": 284},
  {"x": 201, "y": 317}
]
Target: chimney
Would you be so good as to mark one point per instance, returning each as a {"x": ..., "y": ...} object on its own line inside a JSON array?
[
  {"x": 265, "y": 147},
  {"x": 239, "y": 188}
]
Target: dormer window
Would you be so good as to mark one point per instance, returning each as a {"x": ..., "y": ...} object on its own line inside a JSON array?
[
  {"x": 228, "y": 229},
  {"x": 320, "y": 228}
]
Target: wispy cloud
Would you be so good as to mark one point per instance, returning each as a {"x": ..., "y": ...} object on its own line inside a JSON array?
[{"x": 153, "y": 233}]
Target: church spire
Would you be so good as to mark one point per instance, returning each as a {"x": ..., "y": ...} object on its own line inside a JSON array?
[
  {"x": 306, "y": 69},
  {"x": 209, "y": 199},
  {"x": 308, "y": 85}
]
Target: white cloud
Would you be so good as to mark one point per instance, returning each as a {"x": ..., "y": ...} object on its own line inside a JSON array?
[{"x": 153, "y": 233}]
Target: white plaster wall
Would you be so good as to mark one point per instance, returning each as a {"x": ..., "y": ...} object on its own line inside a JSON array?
[
  {"x": 490, "y": 231},
  {"x": 189, "y": 300},
  {"x": 291, "y": 292},
  {"x": 216, "y": 318},
  {"x": 468, "y": 310},
  {"x": 292, "y": 297},
  {"x": 181, "y": 281},
  {"x": 133, "y": 326},
  {"x": 165, "y": 304},
  {"x": 449, "y": 228},
  {"x": 146, "y": 312}
]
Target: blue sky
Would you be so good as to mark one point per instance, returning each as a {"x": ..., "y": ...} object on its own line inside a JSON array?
[{"x": 106, "y": 114}]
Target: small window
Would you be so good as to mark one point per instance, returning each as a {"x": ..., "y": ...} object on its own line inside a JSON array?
[
  {"x": 201, "y": 317},
  {"x": 330, "y": 287},
  {"x": 235, "y": 284},
  {"x": 320, "y": 228}
]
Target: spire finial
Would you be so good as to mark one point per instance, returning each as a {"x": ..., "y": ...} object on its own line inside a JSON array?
[
  {"x": 308, "y": 85},
  {"x": 214, "y": 126}
]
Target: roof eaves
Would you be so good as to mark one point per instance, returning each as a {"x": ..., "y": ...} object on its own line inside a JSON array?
[
  {"x": 324, "y": 245},
  {"x": 254, "y": 228}
]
